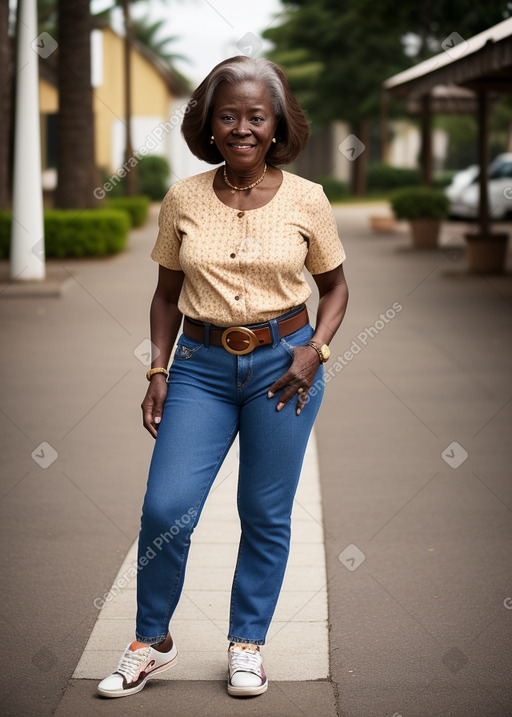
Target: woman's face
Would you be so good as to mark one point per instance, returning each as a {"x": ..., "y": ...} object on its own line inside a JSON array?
[{"x": 243, "y": 123}]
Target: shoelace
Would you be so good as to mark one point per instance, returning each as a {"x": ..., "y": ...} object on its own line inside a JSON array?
[
  {"x": 132, "y": 662},
  {"x": 245, "y": 661}
]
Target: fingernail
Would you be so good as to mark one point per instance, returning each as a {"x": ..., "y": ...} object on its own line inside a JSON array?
[
  {"x": 279, "y": 406},
  {"x": 298, "y": 412},
  {"x": 270, "y": 394},
  {"x": 157, "y": 419}
]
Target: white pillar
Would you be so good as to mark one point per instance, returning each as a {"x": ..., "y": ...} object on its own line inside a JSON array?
[{"x": 27, "y": 234}]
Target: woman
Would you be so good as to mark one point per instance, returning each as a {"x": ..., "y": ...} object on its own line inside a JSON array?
[{"x": 232, "y": 245}]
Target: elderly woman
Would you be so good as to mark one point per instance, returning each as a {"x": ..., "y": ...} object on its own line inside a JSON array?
[{"x": 232, "y": 246}]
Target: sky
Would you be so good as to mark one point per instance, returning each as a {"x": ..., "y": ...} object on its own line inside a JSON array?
[{"x": 209, "y": 31}]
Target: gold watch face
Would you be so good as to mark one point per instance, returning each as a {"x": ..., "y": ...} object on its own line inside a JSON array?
[{"x": 325, "y": 351}]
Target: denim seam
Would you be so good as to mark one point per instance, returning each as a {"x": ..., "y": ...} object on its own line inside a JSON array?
[
  {"x": 245, "y": 640},
  {"x": 235, "y": 582},
  {"x": 248, "y": 378},
  {"x": 149, "y": 640}
]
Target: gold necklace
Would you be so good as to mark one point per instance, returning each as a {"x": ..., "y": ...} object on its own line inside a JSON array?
[{"x": 243, "y": 189}]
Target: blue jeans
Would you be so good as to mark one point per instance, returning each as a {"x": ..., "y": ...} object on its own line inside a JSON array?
[{"x": 213, "y": 395}]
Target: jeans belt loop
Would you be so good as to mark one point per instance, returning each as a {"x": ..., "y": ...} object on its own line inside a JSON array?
[
  {"x": 207, "y": 336},
  {"x": 274, "y": 333}
]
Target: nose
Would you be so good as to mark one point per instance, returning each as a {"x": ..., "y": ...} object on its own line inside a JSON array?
[{"x": 241, "y": 128}]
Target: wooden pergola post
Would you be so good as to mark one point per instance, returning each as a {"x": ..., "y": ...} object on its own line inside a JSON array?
[
  {"x": 426, "y": 140},
  {"x": 384, "y": 132},
  {"x": 483, "y": 160}
]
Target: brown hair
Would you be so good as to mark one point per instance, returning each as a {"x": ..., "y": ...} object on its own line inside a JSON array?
[{"x": 292, "y": 130}]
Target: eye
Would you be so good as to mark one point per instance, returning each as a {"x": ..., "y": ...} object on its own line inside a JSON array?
[
  {"x": 227, "y": 118},
  {"x": 258, "y": 119}
]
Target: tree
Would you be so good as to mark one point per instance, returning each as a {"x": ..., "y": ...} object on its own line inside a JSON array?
[
  {"x": 6, "y": 92},
  {"x": 337, "y": 53},
  {"x": 75, "y": 127},
  {"x": 147, "y": 33}
]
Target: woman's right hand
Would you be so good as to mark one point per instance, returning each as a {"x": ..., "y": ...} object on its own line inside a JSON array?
[{"x": 153, "y": 403}]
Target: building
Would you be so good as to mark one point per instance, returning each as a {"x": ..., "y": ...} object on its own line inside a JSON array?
[{"x": 159, "y": 97}]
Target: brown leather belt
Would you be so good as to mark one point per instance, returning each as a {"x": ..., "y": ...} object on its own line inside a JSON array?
[{"x": 241, "y": 340}]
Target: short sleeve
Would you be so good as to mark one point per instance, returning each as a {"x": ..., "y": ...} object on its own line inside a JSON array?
[
  {"x": 325, "y": 251},
  {"x": 167, "y": 246}
]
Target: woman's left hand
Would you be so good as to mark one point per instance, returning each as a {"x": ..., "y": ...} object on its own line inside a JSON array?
[{"x": 298, "y": 379}]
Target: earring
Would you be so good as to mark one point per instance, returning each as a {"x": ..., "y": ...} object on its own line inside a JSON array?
[
  {"x": 273, "y": 139},
  {"x": 212, "y": 139}
]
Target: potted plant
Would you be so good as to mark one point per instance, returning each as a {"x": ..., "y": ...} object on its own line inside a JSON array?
[
  {"x": 383, "y": 223},
  {"x": 487, "y": 252},
  {"x": 424, "y": 208}
]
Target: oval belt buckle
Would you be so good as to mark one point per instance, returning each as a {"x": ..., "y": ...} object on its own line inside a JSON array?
[{"x": 248, "y": 340}]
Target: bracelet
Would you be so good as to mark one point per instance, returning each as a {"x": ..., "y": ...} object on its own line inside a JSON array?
[
  {"x": 314, "y": 346},
  {"x": 159, "y": 369}
]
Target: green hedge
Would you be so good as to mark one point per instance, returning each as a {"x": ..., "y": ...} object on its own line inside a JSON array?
[
  {"x": 136, "y": 207},
  {"x": 384, "y": 176},
  {"x": 419, "y": 203},
  {"x": 335, "y": 189},
  {"x": 153, "y": 177},
  {"x": 70, "y": 233}
]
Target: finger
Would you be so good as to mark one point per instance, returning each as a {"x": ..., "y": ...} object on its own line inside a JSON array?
[
  {"x": 148, "y": 424},
  {"x": 148, "y": 420},
  {"x": 281, "y": 382},
  {"x": 285, "y": 397},
  {"x": 301, "y": 401}
]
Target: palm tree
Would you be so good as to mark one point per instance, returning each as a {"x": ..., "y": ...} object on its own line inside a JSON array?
[
  {"x": 6, "y": 88},
  {"x": 75, "y": 127},
  {"x": 146, "y": 33}
]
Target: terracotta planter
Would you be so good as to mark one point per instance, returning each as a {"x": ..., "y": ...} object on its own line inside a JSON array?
[
  {"x": 384, "y": 223},
  {"x": 487, "y": 255},
  {"x": 425, "y": 233}
]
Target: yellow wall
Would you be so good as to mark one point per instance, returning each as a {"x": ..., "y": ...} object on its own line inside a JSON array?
[
  {"x": 150, "y": 94},
  {"x": 48, "y": 98}
]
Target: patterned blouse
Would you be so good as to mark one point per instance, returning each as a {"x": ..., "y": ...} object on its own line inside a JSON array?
[{"x": 244, "y": 267}]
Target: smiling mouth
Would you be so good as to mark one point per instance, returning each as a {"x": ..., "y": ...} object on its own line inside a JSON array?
[{"x": 241, "y": 146}]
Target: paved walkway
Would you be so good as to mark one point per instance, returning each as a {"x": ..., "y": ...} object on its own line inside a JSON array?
[
  {"x": 297, "y": 644},
  {"x": 414, "y": 452}
]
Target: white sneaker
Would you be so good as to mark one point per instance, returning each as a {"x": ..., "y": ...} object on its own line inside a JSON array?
[
  {"x": 246, "y": 674},
  {"x": 134, "y": 670}
]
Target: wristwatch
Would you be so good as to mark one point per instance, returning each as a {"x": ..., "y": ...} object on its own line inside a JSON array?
[{"x": 323, "y": 351}]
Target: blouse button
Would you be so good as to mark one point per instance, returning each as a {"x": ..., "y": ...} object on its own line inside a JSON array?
[
  {"x": 232, "y": 255},
  {"x": 237, "y": 298},
  {"x": 240, "y": 214}
]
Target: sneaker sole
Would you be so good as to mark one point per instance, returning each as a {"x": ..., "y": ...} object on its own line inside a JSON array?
[
  {"x": 247, "y": 691},
  {"x": 141, "y": 685}
]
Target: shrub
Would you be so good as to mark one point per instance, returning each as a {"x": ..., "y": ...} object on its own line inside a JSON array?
[
  {"x": 383, "y": 176},
  {"x": 443, "y": 180},
  {"x": 334, "y": 189},
  {"x": 136, "y": 208},
  {"x": 419, "y": 203},
  {"x": 69, "y": 233},
  {"x": 5, "y": 233},
  {"x": 153, "y": 177}
]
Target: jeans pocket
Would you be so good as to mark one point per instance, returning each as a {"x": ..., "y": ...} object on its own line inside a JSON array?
[
  {"x": 186, "y": 348},
  {"x": 298, "y": 338}
]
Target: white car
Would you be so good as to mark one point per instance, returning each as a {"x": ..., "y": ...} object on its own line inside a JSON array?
[{"x": 464, "y": 192}]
